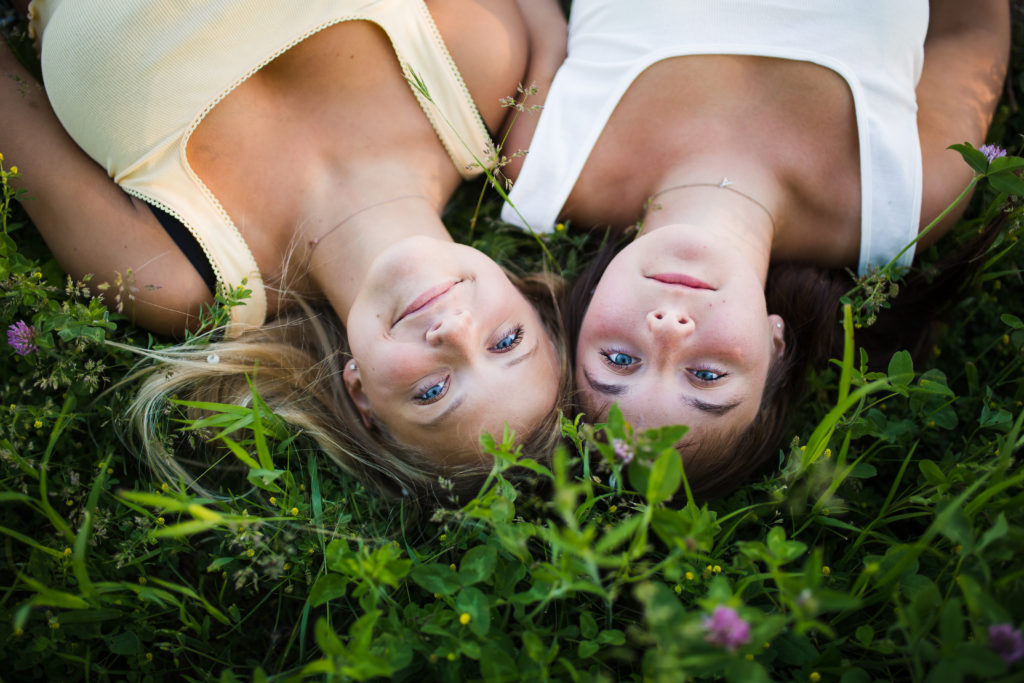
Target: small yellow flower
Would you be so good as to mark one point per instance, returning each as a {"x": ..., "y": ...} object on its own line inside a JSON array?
[
  {"x": 444, "y": 537},
  {"x": 826, "y": 570},
  {"x": 1006, "y": 339},
  {"x": 559, "y": 227},
  {"x": 143, "y": 581},
  {"x": 273, "y": 500},
  {"x": 828, "y": 452},
  {"x": 295, "y": 512},
  {"x": 164, "y": 487},
  {"x": 160, "y": 521},
  {"x": 14, "y": 170},
  {"x": 452, "y": 566},
  {"x": 767, "y": 645},
  {"x": 717, "y": 569},
  {"x": 287, "y": 566},
  {"x": 678, "y": 588},
  {"x": 54, "y": 624},
  {"x": 749, "y": 657},
  {"x": 69, "y": 502},
  {"x": 250, "y": 552},
  {"x": 37, "y": 424},
  {"x": 302, "y": 487},
  {"x": 224, "y": 575},
  {"x": 464, "y": 618},
  {"x": 110, "y": 470},
  {"x": 67, "y": 551},
  {"x": 450, "y": 656},
  {"x": 689, "y": 576},
  {"x": 709, "y": 568},
  {"x": 149, "y": 656},
  {"x": 613, "y": 508},
  {"x": 1, "y": 157},
  {"x": 14, "y": 407},
  {"x": 814, "y": 677}
]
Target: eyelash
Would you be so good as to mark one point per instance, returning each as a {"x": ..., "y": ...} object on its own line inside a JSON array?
[
  {"x": 720, "y": 375},
  {"x": 421, "y": 397},
  {"x": 618, "y": 367},
  {"x": 516, "y": 332}
]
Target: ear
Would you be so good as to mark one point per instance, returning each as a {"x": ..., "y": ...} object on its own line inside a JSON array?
[
  {"x": 778, "y": 330},
  {"x": 354, "y": 386}
]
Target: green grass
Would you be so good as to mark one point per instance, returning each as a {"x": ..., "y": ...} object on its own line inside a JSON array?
[{"x": 883, "y": 546}]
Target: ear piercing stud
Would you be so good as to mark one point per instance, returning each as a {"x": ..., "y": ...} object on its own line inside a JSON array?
[{"x": 351, "y": 366}]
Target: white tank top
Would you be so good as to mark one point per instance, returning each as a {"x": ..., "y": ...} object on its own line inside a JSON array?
[{"x": 876, "y": 46}]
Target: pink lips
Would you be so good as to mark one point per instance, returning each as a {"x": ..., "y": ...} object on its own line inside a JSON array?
[
  {"x": 680, "y": 279},
  {"x": 426, "y": 298}
]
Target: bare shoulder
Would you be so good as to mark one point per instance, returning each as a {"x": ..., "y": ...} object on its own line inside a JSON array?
[{"x": 966, "y": 54}]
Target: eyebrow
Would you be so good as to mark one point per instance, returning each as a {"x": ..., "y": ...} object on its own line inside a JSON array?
[
  {"x": 445, "y": 414},
  {"x": 522, "y": 357},
  {"x": 716, "y": 409}
]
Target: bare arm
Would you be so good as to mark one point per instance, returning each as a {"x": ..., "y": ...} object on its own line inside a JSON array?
[
  {"x": 965, "y": 57},
  {"x": 548, "y": 34},
  {"x": 88, "y": 222}
]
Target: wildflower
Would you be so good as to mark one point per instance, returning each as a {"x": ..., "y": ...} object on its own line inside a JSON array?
[
  {"x": 22, "y": 337},
  {"x": 452, "y": 566},
  {"x": 295, "y": 512},
  {"x": 250, "y": 552},
  {"x": 38, "y": 424},
  {"x": 149, "y": 656},
  {"x": 1006, "y": 641},
  {"x": 143, "y": 581},
  {"x": 14, "y": 170},
  {"x": 560, "y": 227},
  {"x": 814, "y": 677},
  {"x": 67, "y": 551},
  {"x": 623, "y": 450},
  {"x": 677, "y": 588},
  {"x": 992, "y": 152},
  {"x": 689, "y": 576},
  {"x": 444, "y": 537},
  {"x": 826, "y": 570},
  {"x": 161, "y": 521},
  {"x": 726, "y": 628},
  {"x": 273, "y": 500},
  {"x": 464, "y": 618}
]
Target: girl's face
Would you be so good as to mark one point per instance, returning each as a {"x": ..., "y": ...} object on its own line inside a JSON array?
[
  {"x": 677, "y": 333},
  {"x": 446, "y": 348}
]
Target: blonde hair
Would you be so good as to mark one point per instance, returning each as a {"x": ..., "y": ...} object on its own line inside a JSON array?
[{"x": 294, "y": 363}]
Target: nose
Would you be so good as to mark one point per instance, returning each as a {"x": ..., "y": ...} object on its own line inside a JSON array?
[
  {"x": 669, "y": 326},
  {"x": 454, "y": 328}
]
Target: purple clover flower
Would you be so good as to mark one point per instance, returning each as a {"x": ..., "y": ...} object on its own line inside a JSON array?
[
  {"x": 623, "y": 450},
  {"x": 1006, "y": 641},
  {"x": 992, "y": 152},
  {"x": 726, "y": 629},
  {"x": 22, "y": 337}
]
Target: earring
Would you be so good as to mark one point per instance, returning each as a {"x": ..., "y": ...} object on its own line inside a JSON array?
[
  {"x": 778, "y": 325},
  {"x": 351, "y": 366}
]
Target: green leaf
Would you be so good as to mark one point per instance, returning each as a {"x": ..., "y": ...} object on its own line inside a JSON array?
[
  {"x": 329, "y": 642},
  {"x": 1012, "y": 321},
  {"x": 327, "y": 587},
  {"x": 126, "y": 643},
  {"x": 496, "y": 665},
  {"x": 901, "y": 369},
  {"x": 588, "y": 626},
  {"x": 474, "y": 603},
  {"x": 973, "y": 157},
  {"x": 436, "y": 578},
  {"x": 588, "y": 648},
  {"x": 666, "y": 476},
  {"x": 1007, "y": 182},
  {"x": 477, "y": 565},
  {"x": 865, "y": 634}
]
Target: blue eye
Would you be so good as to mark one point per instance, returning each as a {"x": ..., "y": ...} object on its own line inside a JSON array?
[
  {"x": 432, "y": 393},
  {"x": 707, "y": 375},
  {"x": 620, "y": 360},
  {"x": 509, "y": 340}
]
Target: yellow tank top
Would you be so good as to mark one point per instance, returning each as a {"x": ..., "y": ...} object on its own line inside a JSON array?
[{"x": 130, "y": 80}]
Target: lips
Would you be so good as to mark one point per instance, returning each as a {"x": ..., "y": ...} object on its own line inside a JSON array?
[
  {"x": 680, "y": 279},
  {"x": 425, "y": 299}
]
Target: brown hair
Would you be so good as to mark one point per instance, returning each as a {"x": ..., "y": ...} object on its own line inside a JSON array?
[
  {"x": 807, "y": 298},
  {"x": 294, "y": 364}
]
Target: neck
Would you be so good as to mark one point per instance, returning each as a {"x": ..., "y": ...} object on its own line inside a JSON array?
[
  {"x": 741, "y": 216},
  {"x": 342, "y": 255}
]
